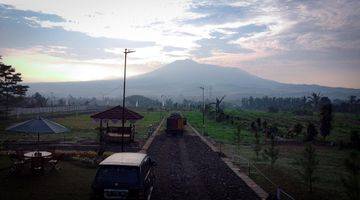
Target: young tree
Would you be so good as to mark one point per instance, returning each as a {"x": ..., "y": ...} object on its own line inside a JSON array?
[
  {"x": 257, "y": 145},
  {"x": 271, "y": 153},
  {"x": 352, "y": 181},
  {"x": 218, "y": 109},
  {"x": 258, "y": 123},
  {"x": 10, "y": 89},
  {"x": 352, "y": 103},
  {"x": 355, "y": 139},
  {"x": 308, "y": 163},
  {"x": 39, "y": 100},
  {"x": 238, "y": 137},
  {"x": 298, "y": 128},
  {"x": 314, "y": 100},
  {"x": 265, "y": 129},
  {"x": 311, "y": 132},
  {"x": 325, "y": 116}
]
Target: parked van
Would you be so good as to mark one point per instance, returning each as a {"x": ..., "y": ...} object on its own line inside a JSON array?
[{"x": 124, "y": 176}]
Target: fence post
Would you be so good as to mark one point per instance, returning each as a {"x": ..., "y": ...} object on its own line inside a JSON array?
[
  {"x": 278, "y": 193},
  {"x": 233, "y": 155}
]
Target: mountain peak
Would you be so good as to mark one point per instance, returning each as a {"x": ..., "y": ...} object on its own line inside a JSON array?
[{"x": 184, "y": 62}]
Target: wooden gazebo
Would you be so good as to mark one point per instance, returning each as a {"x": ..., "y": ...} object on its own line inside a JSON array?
[{"x": 116, "y": 133}]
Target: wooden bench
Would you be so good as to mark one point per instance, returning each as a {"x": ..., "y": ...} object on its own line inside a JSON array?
[{"x": 115, "y": 134}]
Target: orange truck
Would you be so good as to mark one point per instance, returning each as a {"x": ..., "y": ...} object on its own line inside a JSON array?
[{"x": 175, "y": 124}]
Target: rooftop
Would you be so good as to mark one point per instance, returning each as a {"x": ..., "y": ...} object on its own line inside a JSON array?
[
  {"x": 128, "y": 159},
  {"x": 115, "y": 113}
]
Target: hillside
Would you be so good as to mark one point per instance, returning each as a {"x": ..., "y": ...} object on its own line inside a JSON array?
[{"x": 182, "y": 79}]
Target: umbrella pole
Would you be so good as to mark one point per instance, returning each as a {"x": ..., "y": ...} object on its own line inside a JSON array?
[{"x": 38, "y": 145}]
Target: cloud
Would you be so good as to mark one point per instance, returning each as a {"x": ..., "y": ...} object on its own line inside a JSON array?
[
  {"x": 9, "y": 11},
  {"x": 172, "y": 48},
  {"x": 256, "y": 35},
  {"x": 19, "y": 31},
  {"x": 215, "y": 14}
]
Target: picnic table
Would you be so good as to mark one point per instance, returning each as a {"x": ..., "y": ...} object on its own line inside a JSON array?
[
  {"x": 37, "y": 161},
  {"x": 33, "y": 154}
]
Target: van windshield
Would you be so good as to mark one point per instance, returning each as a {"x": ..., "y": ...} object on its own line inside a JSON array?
[{"x": 123, "y": 175}]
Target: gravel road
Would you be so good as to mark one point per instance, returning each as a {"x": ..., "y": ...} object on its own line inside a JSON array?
[{"x": 188, "y": 169}]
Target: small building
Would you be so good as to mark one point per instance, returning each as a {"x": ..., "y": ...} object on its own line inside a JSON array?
[{"x": 117, "y": 133}]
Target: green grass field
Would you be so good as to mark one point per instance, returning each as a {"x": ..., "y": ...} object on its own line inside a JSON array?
[
  {"x": 341, "y": 127},
  {"x": 82, "y": 127},
  {"x": 53, "y": 185},
  {"x": 285, "y": 173}
]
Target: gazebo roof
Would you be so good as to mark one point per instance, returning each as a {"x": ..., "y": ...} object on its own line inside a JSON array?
[{"x": 115, "y": 113}]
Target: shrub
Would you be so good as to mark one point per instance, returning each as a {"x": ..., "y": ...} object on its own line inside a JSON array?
[
  {"x": 257, "y": 146},
  {"x": 355, "y": 139},
  {"x": 297, "y": 129},
  {"x": 271, "y": 153},
  {"x": 325, "y": 117},
  {"x": 311, "y": 132},
  {"x": 308, "y": 163}
]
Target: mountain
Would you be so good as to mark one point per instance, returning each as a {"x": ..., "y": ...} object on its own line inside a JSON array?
[{"x": 183, "y": 78}]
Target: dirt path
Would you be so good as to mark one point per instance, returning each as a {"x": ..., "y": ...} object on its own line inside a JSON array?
[{"x": 188, "y": 169}]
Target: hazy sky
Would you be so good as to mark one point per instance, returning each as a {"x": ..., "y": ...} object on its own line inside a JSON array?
[{"x": 304, "y": 41}]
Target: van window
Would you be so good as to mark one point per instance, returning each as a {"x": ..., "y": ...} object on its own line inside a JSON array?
[
  {"x": 145, "y": 166},
  {"x": 117, "y": 174}
]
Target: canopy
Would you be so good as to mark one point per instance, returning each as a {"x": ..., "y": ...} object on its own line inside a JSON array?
[
  {"x": 115, "y": 113},
  {"x": 38, "y": 126}
]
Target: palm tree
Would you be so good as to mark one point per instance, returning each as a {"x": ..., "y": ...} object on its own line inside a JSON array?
[{"x": 314, "y": 99}]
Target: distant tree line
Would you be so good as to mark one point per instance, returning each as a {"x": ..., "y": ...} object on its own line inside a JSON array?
[
  {"x": 39, "y": 100},
  {"x": 300, "y": 105},
  {"x": 142, "y": 102}
]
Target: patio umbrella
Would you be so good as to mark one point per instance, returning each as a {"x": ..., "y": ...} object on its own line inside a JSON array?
[{"x": 38, "y": 126}]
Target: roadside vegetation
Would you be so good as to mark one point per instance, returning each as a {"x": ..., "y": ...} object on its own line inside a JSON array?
[{"x": 280, "y": 160}]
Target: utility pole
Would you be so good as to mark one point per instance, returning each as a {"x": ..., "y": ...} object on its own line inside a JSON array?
[
  {"x": 52, "y": 102},
  {"x": 203, "y": 117},
  {"x": 123, "y": 100}
]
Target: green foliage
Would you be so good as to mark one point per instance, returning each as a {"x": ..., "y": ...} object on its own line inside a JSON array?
[
  {"x": 257, "y": 146},
  {"x": 308, "y": 163},
  {"x": 297, "y": 129},
  {"x": 311, "y": 132},
  {"x": 352, "y": 181},
  {"x": 10, "y": 89},
  {"x": 238, "y": 135},
  {"x": 325, "y": 116},
  {"x": 329, "y": 170},
  {"x": 271, "y": 153},
  {"x": 38, "y": 100},
  {"x": 355, "y": 139},
  {"x": 314, "y": 100}
]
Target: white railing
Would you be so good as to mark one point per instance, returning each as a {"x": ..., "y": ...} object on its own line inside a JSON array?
[{"x": 19, "y": 111}]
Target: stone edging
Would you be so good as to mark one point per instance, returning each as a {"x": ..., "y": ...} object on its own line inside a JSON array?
[
  {"x": 151, "y": 138},
  {"x": 256, "y": 188}
]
